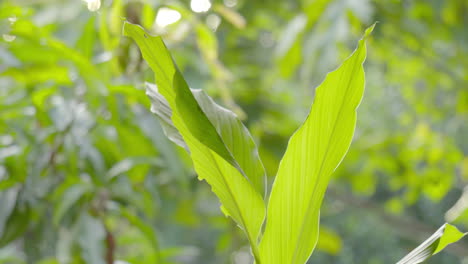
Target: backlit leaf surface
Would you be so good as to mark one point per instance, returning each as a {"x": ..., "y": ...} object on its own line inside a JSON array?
[
  {"x": 222, "y": 151},
  {"x": 313, "y": 153}
]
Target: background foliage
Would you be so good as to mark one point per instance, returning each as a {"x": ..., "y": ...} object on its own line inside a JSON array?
[{"x": 86, "y": 175}]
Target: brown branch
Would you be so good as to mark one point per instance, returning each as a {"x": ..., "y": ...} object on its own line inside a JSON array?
[{"x": 110, "y": 245}]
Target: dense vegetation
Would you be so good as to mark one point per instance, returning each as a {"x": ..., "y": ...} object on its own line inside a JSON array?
[{"x": 87, "y": 174}]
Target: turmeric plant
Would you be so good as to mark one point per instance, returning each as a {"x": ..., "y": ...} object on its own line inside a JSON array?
[{"x": 225, "y": 155}]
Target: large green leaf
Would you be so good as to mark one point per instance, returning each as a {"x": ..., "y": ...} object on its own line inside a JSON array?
[
  {"x": 234, "y": 134},
  {"x": 221, "y": 148},
  {"x": 175, "y": 90},
  {"x": 313, "y": 153},
  {"x": 445, "y": 235}
]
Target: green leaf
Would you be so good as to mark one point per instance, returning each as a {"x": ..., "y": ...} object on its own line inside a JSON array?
[
  {"x": 207, "y": 42},
  {"x": 163, "y": 111},
  {"x": 313, "y": 153},
  {"x": 16, "y": 225},
  {"x": 214, "y": 136},
  {"x": 175, "y": 90},
  {"x": 445, "y": 235},
  {"x": 129, "y": 163},
  {"x": 69, "y": 198},
  {"x": 39, "y": 74},
  {"x": 39, "y": 97},
  {"x": 147, "y": 230},
  {"x": 234, "y": 134},
  {"x": 236, "y": 137}
]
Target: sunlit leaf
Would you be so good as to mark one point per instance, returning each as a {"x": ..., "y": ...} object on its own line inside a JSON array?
[
  {"x": 313, "y": 153},
  {"x": 445, "y": 235},
  {"x": 236, "y": 137},
  {"x": 39, "y": 97},
  {"x": 39, "y": 74},
  {"x": 221, "y": 148},
  {"x": 233, "y": 133},
  {"x": 87, "y": 40}
]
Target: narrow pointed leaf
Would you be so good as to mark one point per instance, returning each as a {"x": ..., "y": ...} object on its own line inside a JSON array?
[
  {"x": 313, "y": 153},
  {"x": 445, "y": 235},
  {"x": 175, "y": 90},
  {"x": 222, "y": 151},
  {"x": 235, "y": 135}
]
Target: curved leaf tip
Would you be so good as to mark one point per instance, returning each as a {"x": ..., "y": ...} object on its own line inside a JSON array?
[
  {"x": 313, "y": 153},
  {"x": 444, "y": 236},
  {"x": 221, "y": 148}
]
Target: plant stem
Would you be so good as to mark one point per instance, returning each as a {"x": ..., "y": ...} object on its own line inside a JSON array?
[{"x": 110, "y": 245}]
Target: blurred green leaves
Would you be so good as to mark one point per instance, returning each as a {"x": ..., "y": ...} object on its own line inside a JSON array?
[{"x": 16, "y": 224}]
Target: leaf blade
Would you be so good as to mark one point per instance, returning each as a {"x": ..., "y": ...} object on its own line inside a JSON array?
[
  {"x": 213, "y": 160},
  {"x": 313, "y": 153},
  {"x": 445, "y": 235}
]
